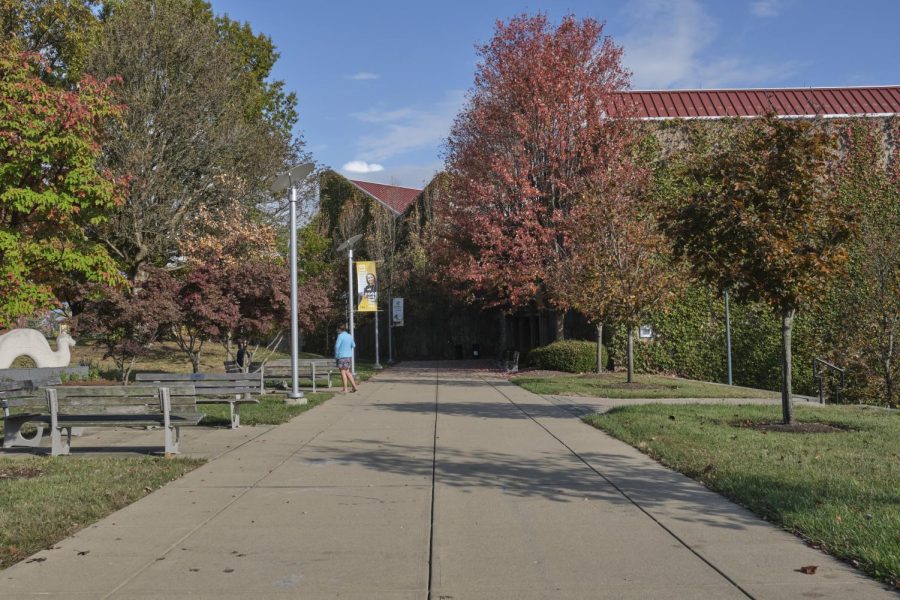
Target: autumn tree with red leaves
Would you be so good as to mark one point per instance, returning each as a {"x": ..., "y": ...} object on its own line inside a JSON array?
[
  {"x": 532, "y": 140},
  {"x": 128, "y": 321}
]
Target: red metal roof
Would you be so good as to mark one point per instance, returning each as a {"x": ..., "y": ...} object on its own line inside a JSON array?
[
  {"x": 394, "y": 197},
  {"x": 795, "y": 102}
]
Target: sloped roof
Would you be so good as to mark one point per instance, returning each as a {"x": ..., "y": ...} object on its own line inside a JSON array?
[
  {"x": 878, "y": 101},
  {"x": 394, "y": 197}
]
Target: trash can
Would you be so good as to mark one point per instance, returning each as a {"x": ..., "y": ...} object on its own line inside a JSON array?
[{"x": 476, "y": 350}]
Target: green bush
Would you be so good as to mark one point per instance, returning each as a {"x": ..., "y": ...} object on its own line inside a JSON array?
[{"x": 572, "y": 356}]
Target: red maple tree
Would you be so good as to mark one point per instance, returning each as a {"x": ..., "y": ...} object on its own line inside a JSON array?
[{"x": 533, "y": 139}]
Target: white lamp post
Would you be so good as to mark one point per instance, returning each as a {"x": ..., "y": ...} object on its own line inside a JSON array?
[
  {"x": 348, "y": 246},
  {"x": 290, "y": 179}
]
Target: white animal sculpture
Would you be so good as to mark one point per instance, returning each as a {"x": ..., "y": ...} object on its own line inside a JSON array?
[{"x": 33, "y": 344}]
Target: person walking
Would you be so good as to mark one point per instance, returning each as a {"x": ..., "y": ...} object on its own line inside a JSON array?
[{"x": 343, "y": 354}]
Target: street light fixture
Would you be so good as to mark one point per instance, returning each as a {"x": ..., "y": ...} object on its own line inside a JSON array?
[
  {"x": 290, "y": 179},
  {"x": 348, "y": 246}
]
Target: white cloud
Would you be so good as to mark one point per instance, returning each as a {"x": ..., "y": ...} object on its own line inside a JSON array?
[
  {"x": 363, "y": 76},
  {"x": 766, "y": 8},
  {"x": 361, "y": 166},
  {"x": 662, "y": 50},
  {"x": 736, "y": 72},
  {"x": 408, "y": 129},
  {"x": 668, "y": 43}
]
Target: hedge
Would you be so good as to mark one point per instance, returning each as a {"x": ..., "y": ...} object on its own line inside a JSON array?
[{"x": 572, "y": 356}]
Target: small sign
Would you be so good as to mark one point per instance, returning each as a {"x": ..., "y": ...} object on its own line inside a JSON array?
[
  {"x": 645, "y": 332},
  {"x": 397, "y": 312}
]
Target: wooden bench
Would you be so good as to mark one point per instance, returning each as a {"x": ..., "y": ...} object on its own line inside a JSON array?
[
  {"x": 233, "y": 389},
  {"x": 311, "y": 368},
  {"x": 120, "y": 406},
  {"x": 23, "y": 403}
]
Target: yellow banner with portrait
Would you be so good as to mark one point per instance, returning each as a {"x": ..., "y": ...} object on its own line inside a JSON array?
[{"x": 366, "y": 286}]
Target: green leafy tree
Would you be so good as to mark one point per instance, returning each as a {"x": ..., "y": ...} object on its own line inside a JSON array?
[
  {"x": 62, "y": 31},
  {"x": 193, "y": 134},
  {"x": 52, "y": 192},
  {"x": 262, "y": 97},
  {"x": 759, "y": 218}
]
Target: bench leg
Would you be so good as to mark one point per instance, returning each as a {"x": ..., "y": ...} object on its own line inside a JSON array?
[
  {"x": 173, "y": 437},
  {"x": 58, "y": 447},
  {"x": 13, "y": 436},
  {"x": 235, "y": 414}
]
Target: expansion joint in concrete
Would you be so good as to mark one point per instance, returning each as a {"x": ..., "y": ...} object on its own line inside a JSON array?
[{"x": 621, "y": 491}]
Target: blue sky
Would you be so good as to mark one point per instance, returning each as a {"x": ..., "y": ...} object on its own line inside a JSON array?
[{"x": 380, "y": 82}]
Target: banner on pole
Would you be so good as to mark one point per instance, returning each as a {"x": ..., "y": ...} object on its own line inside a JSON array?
[
  {"x": 367, "y": 286},
  {"x": 397, "y": 312}
]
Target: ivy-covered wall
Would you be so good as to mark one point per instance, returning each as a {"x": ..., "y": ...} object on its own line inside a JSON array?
[
  {"x": 689, "y": 341},
  {"x": 854, "y": 322}
]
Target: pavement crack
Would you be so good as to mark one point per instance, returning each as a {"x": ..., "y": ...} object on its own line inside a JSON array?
[{"x": 437, "y": 387}]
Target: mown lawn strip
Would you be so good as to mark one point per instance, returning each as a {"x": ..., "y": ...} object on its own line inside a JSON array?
[
  {"x": 43, "y": 500},
  {"x": 840, "y": 491},
  {"x": 271, "y": 410},
  {"x": 614, "y": 385}
]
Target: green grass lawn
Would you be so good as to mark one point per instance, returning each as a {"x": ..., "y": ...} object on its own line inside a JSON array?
[
  {"x": 614, "y": 385},
  {"x": 42, "y": 500},
  {"x": 839, "y": 490},
  {"x": 271, "y": 410}
]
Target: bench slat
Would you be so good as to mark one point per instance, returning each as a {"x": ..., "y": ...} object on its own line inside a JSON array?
[
  {"x": 196, "y": 378},
  {"x": 113, "y": 391},
  {"x": 108, "y": 420}
]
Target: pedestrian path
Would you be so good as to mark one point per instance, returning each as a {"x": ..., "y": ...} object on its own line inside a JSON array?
[{"x": 432, "y": 483}]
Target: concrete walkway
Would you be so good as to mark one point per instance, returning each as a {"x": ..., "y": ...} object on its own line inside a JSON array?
[{"x": 432, "y": 483}]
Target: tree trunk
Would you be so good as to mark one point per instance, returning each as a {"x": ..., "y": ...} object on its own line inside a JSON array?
[
  {"x": 787, "y": 405},
  {"x": 560, "y": 324},
  {"x": 502, "y": 321},
  {"x": 599, "y": 347},
  {"x": 126, "y": 371},
  {"x": 630, "y": 347},
  {"x": 888, "y": 376},
  {"x": 195, "y": 361}
]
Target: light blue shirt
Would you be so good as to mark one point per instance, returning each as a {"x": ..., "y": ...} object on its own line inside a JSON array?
[{"x": 344, "y": 345}]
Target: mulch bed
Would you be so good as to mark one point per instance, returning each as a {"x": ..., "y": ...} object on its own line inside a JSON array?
[{"x": 20, "y": 472}]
